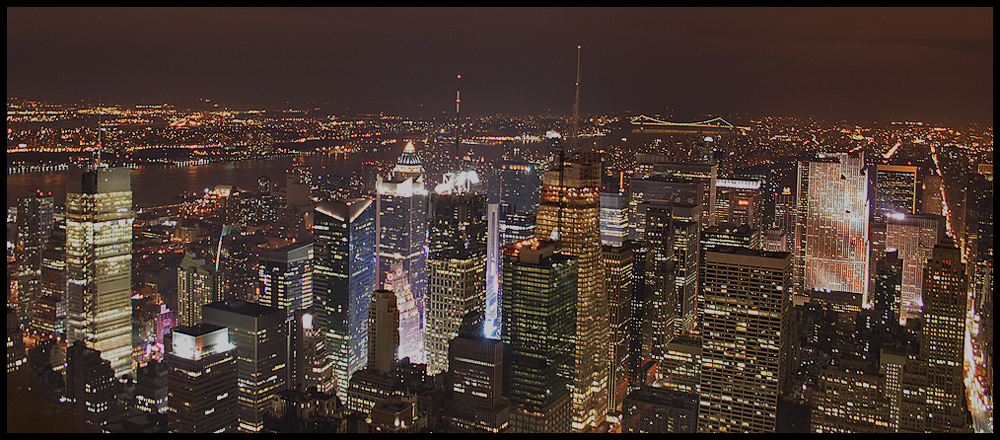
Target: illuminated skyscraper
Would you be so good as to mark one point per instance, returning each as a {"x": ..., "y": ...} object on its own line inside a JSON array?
[
  {"x": 665, "y": 191},
  {"x": 285, "y": 276},
  {"x": 739, "y": 201},
  {"x": 99, "y": 263},
  {"x": 569, "y": 211},
  {"x": 687, "y": 252},
  {"x": 945, "y": 293},
  {"x": 198, "y": 284},
  {"x": 895, "y": 193},
  {"x": 539, "y": 327},
  {"x": 746, "y": 344},
  {"x": 661, "y": 273},
  {"x": 260, "y": 335},
  {"x": 402, "y": 247},
  {"x": 202, "y": 381},
  {"x": 704, "y": 172},
  {"x": 456, "y": 274},
  {"x": 932, "y": 199},
  {"x": 836, "y": 250},
  {"x": 618, "y": 285},
  {"x": 34, "y": 227},
  {"x": 614, "y": 218},
  {"x": 475, "y": 379},
  {"x": 914, "y": 236},
  {"x": 343, "y": 281}
]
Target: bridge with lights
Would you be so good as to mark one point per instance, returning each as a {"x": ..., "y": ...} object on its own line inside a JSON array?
[{"x": 649, "y": 124}]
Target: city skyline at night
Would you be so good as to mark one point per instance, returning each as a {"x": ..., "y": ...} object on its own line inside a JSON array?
[{"x": 268, "y": 220}]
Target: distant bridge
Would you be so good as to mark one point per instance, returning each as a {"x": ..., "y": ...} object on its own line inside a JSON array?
[{"x": 649, "y": 124}]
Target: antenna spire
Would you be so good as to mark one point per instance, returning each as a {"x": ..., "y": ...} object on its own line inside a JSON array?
[{"x": 576, "y": 102}]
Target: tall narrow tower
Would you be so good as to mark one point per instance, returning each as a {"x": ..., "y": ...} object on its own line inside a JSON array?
[
  {"x": 569, "y": 211},
  {"x": 402, "y": 247},
  {"x": 99, "y": 263}
]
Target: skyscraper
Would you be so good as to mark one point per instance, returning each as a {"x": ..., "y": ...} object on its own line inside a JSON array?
[
  {"x": 519, "y": 185},
  {"x": 34, "y": 227},
  {"x": 614, "y": 218},
  {"x": 456, "y": 264},
  {"x": 945, "y": 292},
  {"x": 569, "y": 211},
  {"x": 202, "y": 382},
  {"x": 99, "y": 263},
  {"x": 285, "y": 275},
  {"x": 661, "y": 276},
  {"x": 539, "y": 329},
  {"x": 619, "y": 273},
  {"x": 914, "y": 236},
  {"x": 895, "y": 193},
  {"x": 198, "y": 284},
  {"x": 402, "y": 247},
  {"x": 836, "y": 248},
  {"x": 343, "y": 281},
  {"x": 475, "y": 379},
  {"x": 746, "y": 344},
  {"x": 260, "y": 335}
]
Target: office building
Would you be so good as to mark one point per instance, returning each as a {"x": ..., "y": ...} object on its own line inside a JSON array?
[
  {"x": 836, "y": 252},
  {"x": 34, "y": 227},
  {"x": 401, "y": 241},
  {"x": 99, "y": 241},
  {"x": 519, "y": 185},
  {"x": 945, "y": 294},
  {"x": 285, "y": 276},
  {"x": 198, "y": 284},
  {"x": 614, "y": 218},
  {"x": 652, "y": 410},
  {"x": 569, "y": 211},
  {"x": 343, "y": 280},
  {"x": 619, "y": 274},
  {"x": 914, "y": 237},
  {"x": 932, "y": 195},
  {"x": 475, "y": 379},
  {"x": 745, "y": 343},
  {"x": 895, "y": 193},
  {"x": 739, "y": 201},
  {"x": 203, "y": 383},
  {"x": 91, "y": 386},
  {"x": 456, "y": 264},
  {"x": 260, "y": 335},
  {"x": 539, "y": 329}
]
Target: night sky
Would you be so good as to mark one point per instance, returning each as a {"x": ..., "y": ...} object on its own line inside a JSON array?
[{"x": 931, "y": 64}]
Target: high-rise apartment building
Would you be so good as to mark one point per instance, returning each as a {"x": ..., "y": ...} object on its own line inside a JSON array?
[
  {"x": 745, "y": 342},
  {"x": 401, "y": 242},
  {"x": 540, "y": 294},
  {"x": 99, "y": 263},
  {"x": 343, "y": 280},
  {"x": 569, "y": 211}
]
